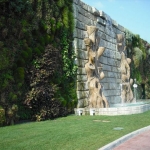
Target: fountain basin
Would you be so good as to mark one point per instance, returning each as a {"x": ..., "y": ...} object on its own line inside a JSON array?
[
  {"x": 117, "y": 109},
  {"x": 137, "y": 103}
]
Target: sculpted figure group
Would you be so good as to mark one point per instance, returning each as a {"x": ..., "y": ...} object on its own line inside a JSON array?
[
  {"x": 126, "y": 81},
  {"x": 95, "y": 74},
  {"x": 94, "y": 69}
]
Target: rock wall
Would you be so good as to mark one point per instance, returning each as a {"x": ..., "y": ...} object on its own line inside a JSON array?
[{"x": 110, "y": 60}]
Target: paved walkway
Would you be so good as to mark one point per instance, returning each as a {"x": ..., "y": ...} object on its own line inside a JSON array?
[{"x": 137, "y": 140}]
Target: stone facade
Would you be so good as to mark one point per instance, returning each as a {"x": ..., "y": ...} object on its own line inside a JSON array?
[{"x": 108, "y": 29}]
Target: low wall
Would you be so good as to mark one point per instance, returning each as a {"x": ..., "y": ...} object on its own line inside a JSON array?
[
  {"x": 111, "y": 58},
  {"x": 114, "y": 111}
]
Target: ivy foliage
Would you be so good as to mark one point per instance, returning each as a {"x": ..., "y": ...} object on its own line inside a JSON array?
[
  {"x": 69, "y": 68},
  {"x": 137, "y": 57},
  {"x": 138, "y": 51}
]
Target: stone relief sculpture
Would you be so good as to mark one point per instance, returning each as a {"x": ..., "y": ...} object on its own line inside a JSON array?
[
  {"x": 94, "y": 69},
  {"x": 126, "y": 81}
]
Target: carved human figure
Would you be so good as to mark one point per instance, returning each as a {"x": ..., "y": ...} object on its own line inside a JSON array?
[
  {"x": 130, "y": 96},
  {"x": 94, "y": 74},
  {"x": 126, "y": 92},
  {"x": 90, "y": 66},
  {"x": 94, "y": 87},
  {"x": 96, "y": 96}
]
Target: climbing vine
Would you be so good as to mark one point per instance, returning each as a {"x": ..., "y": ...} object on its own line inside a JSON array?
[{"x": 69, "y": 66}]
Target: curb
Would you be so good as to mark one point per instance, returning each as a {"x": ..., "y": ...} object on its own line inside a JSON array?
[{"x": 119, "y": 141}]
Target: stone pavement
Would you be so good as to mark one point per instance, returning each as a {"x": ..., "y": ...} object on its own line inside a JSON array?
[{"x": 137, "y": 140}]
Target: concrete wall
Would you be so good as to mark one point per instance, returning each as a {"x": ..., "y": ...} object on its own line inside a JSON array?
[{"x": 110, "y": 60}]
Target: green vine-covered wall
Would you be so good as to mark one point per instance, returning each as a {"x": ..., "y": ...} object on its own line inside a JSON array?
[
  {"x": 36, "y": 59},
  {"x": 138, "y": 51}
]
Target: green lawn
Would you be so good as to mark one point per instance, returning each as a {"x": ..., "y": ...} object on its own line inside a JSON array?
[{"x": 70, "y": 133}]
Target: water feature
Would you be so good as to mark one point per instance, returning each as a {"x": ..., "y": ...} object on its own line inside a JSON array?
[
  {"x": 135, "y": 90},
  {"x": 106, "y": 55}
]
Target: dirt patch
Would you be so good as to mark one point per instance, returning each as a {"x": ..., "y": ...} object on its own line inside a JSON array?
[{"x": 101, "y": 120}]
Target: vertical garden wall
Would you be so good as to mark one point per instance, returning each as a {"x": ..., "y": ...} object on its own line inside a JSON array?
[
  {"x": 37, "y": 67},
  {"x": 37, "y": 71}
]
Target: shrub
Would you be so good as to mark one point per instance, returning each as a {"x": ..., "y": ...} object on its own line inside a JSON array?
[
  {"x": 43, "y": 26},
  {"x": 60, "y": 3},
  {"x": 63, "y": 102},
  {"x": 37, "y": 51},
  {"x": 25, "y": 45},
  {"x": 1, "y": 44},
  {"x": 21, "y": 62},
  {"x": 2, "y": 116},
  {"x": 41, "y": 40},
  {"x": 35, "y": 32},
  {"x": 14, "y": 108},
  {"x": 20, "y": 74},
  {"x": 3, "y": 1},
  {"x": 4, "y": 58},
  {"x": 52, "y": 21},
  {"x": 13, "y": 97},
  {"x": 41, "y": 48},
  {"x": 29, "y": 51},
  {"x": 19, "y": 85},
  {"x": 25, "y": 55},
  {"x": 58, "y": 25},
  {"x": 53, "y": 29},
  {"x": 47, "y": 39}
]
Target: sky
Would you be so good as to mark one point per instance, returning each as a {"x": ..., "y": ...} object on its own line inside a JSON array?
[{"x": 134, "y": 15}]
